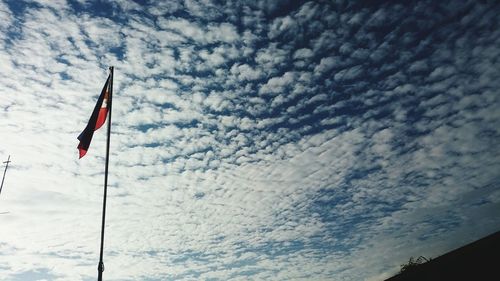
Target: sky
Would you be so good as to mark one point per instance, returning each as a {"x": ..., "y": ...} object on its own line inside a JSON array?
[{"x": 251, "y": 140}]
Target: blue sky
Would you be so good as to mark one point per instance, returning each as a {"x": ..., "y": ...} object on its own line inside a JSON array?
[{"x": 271, "y": 140}]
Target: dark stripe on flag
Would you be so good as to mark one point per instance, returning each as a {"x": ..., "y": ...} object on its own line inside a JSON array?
[{"x": 86, "y": 136}]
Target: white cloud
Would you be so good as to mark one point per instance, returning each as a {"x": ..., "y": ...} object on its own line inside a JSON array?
[
  {"x": 303, "y": 53},
  {"x": 280, "y": 25},
  {"x": 325, "y": 65},
  {"x": 245, "y": 72},
  {"x": 348, "y": 74},
  {"x": 277, "y": 84},
  {"x": 5, "y": 18},
  {"x": 224, "y": 32}
]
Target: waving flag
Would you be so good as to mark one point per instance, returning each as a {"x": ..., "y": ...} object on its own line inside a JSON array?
[{"x": 97, "y": 119}]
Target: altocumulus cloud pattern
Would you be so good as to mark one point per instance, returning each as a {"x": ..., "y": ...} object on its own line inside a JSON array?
[{"x": 252, "y": 140}]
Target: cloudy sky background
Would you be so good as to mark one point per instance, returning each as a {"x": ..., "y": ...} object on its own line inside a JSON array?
[{"x": 279, "y": 140}]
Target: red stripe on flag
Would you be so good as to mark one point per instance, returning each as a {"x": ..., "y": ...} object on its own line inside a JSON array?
[
  {"x": 101, "y": 119},
  {"x": 82, "y": 152}
]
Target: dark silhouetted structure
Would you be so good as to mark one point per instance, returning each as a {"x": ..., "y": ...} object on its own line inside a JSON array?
[{"x": 479, "y": 260}]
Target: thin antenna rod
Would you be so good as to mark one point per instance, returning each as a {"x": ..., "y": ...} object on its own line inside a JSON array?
[
  {"x": 100, "y": 267},
  {"x": 4, "y": 172}
]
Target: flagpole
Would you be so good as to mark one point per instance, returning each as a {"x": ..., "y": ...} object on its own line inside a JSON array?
[
  {"x": 100, "y": 267},
  {"x": 4, "y": 172}
]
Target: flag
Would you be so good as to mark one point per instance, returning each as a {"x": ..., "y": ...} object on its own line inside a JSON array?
[{"x": 97, "y": 119}]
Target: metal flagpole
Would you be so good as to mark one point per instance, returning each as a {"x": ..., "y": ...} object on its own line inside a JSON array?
[
  {"x": 100, "y": 267},
  {"x": 4, "y": 172}
]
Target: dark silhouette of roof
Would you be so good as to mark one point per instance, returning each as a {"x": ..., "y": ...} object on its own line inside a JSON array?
[{"x": 479, "y": 260}]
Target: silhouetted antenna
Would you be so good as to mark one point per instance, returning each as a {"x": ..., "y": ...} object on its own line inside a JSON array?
[{"x": 4, "y": 172}]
